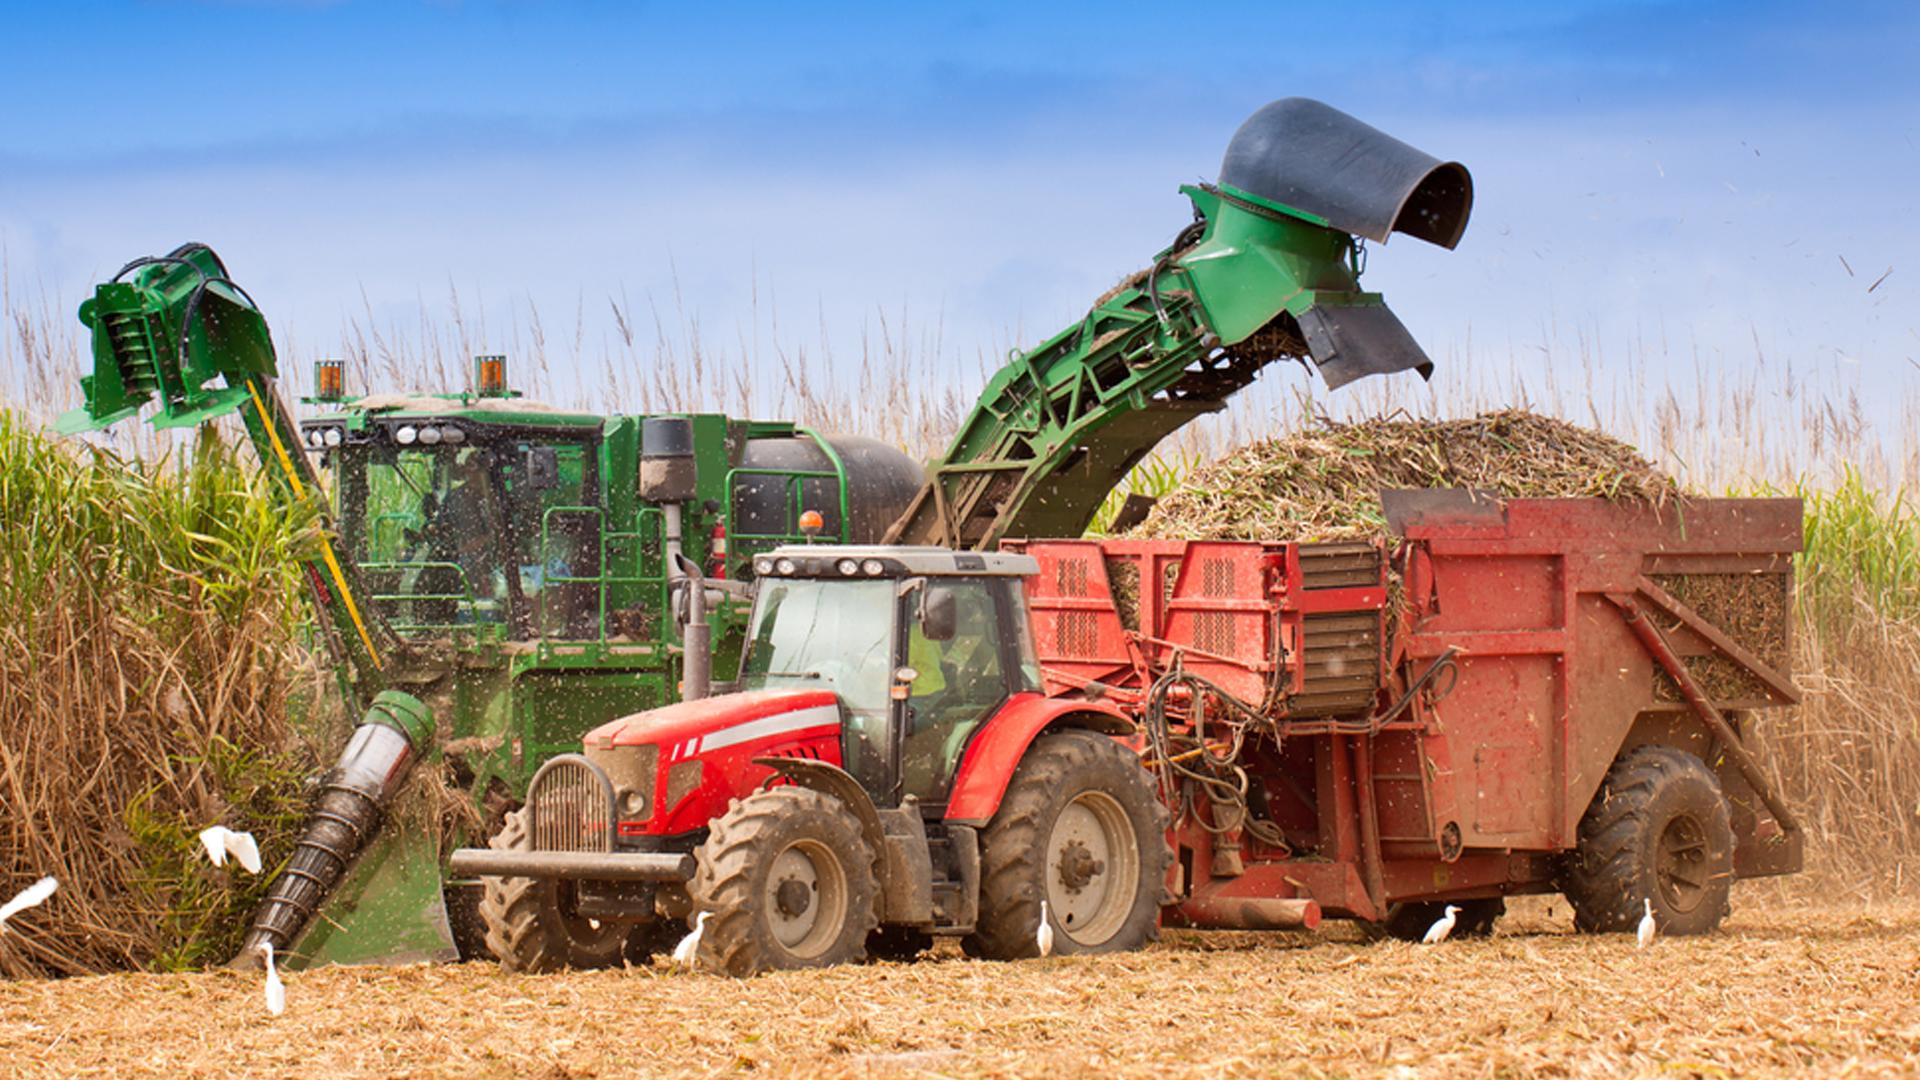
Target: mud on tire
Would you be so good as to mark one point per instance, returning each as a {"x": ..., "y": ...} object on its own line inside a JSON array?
[
  {"x": 1080, "y": 828},
  {"x": 790, "y": 881},
  {"x": 530, "y": 923},
  {"x": 1658, "y": 829}
]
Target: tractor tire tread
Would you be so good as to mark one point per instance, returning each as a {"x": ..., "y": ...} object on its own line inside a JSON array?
[
  {"x": 1609, "y": 873},
  {"x": 1012, "y": 850}
]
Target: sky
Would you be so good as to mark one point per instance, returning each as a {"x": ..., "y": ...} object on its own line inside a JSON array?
[{"x": 1673, "y": 183}]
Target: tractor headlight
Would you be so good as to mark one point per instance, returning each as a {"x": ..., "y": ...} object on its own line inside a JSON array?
[
  {"x": 429, "y": 436},
  {"x": 313, "y": 439},
  {"x": 406, "y": 435},
  {"x": 848, "y": 567},
  {"x": 874, "y": 567},
  {"x": 333, "y": 436},
  {"x": 785, "y": 566},
  {"x": 453, "y": 435},
  {"x": 763, "y": 566}
]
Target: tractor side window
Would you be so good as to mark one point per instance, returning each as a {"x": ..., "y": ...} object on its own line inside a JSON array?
[{"x": 958, "y": 684}]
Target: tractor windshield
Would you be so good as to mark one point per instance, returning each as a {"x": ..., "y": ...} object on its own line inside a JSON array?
[{"x": 834, "y": 635}]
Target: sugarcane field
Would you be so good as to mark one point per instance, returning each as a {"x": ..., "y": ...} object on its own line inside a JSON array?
[{"x": 593, "y": 541}]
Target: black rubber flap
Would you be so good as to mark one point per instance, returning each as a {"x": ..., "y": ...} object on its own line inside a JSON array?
[
  {"x": 1351, "y": 343},
  {"x": 1314, "y": 157}
]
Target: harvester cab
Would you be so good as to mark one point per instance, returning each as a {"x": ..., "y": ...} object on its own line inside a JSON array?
[{"x": 829, "y": 804}]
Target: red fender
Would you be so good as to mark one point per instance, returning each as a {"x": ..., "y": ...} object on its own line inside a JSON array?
[{"x": 996, "y": 751}]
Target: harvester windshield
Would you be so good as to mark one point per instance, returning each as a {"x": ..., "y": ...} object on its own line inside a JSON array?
[{"x": 483, "y": 531}]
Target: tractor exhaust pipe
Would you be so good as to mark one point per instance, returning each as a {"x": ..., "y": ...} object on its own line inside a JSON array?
[
  {"x": 353, "y": 799},
  {"x": 696, "y": 673}
]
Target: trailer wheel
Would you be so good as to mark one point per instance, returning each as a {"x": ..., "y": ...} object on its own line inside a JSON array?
[
  {"x": 1658, "y": 830},
  {"x": 1081, "y": 829},
  {"x": 531, "y": 924},
  {"x": 790, "y": 881}
]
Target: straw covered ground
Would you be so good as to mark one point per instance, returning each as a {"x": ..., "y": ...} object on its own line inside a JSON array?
[
  {"x": 1324, "y": 482},
  {"x": 1794, "y": 990}
]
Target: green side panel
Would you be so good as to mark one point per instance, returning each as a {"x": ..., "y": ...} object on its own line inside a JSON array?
[{"x": 389, "y": 910}]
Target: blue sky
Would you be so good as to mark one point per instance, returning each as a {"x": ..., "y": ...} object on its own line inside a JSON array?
[{"x": 1687, "y": 174}]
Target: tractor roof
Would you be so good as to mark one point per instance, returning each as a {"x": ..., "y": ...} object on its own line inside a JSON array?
[{"x": 823, "y": 560}]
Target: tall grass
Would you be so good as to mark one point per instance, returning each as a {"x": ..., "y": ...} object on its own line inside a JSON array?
[{"x": 145, "y": 666}]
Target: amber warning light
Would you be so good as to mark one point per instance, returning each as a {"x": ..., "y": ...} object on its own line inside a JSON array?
[
  {"x": 329, "y": 379},
  {"x": 490, "y": 375}
]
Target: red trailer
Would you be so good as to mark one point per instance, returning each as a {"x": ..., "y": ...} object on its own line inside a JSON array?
[{"x": 1543, "y": 695}]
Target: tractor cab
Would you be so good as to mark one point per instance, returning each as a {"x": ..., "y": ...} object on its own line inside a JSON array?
[{"x": 921, "y": 646}]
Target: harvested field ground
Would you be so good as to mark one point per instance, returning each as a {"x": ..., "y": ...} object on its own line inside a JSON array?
[{"x": 1793, "y": 990}]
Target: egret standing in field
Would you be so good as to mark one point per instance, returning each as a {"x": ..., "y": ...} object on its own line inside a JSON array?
[
  {"x": 1043, "y": 937},
  {"x": 1441, "y": 927},
  {"x": 689, "y": 947},
  {"x": 1647, "y": 926},
  {"x": 276, "y": 990},
  {"x": 32, "y": 896},
  {"x": 221, "y": 842}
]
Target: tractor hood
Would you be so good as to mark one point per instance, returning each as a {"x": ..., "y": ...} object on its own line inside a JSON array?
[
  {"x": 1313, "y": 157},
  {"x": 694, "y": 727}
]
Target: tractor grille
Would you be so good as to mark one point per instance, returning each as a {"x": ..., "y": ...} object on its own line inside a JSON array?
[{"x": 570, "y": 805}]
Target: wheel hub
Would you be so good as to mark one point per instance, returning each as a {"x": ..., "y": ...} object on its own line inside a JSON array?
[
  {"x": 1078, "y": 866},
  {"x": 792, "y": 897},
  {"x": 1680, "y": 867},
  {"x": 1092, "y": 868}
]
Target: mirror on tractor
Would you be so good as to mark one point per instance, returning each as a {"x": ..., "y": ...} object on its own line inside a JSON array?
[
  {"x": 938, "y": 617},
  {"x": 543, "y": 468}
]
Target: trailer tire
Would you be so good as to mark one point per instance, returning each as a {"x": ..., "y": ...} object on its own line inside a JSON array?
[
  {"x": 1658, "y": 829},
  {"x": 789, "y": 879},
  {"x": 1072, "y": 787},
  {"x": 529, "y": 926}
]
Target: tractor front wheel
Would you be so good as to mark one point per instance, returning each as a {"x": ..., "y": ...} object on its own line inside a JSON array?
[
  {"x": 1079, "y": 828},
  {"x": 789, "y": 878},
  {"x": 531, "y": 922},
  {"x": 1659, "y": 830}
]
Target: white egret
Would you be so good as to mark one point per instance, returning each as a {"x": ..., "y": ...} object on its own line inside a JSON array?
[
  {"x": 1044, "y": 936},
  {"x": 276, "y": 990},
  {"x": 32, "y": 896},
  {"x": 1441, "y": 927},
  {"x": 1647, "y": 926},
  {"x": 221, "y": 842},
  {"x": 689, "y": 947}
]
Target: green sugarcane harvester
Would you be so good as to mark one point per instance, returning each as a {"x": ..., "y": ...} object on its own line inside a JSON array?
[{"x": 496, "y": 577}]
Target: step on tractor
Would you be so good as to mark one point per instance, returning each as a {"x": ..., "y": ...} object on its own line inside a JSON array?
[
  {"x": 497, "y": 578},
  {"x": 1236, "y": 735}
]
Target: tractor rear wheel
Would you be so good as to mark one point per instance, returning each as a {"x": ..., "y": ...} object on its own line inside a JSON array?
[
  {"x": 1079, "y": 828},
  {"x": 1658, "y": 830},
  {"x": 531, "y": 923},
  {"x": 789, "y": 878}
]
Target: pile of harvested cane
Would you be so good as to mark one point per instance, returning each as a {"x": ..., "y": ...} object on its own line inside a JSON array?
[{"x": 1324, "y": 483}]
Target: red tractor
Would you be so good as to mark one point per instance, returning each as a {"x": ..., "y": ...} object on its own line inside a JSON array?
[
  {"x": 1221, "y": 734},
  {"x": 889, "y": 768}
]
